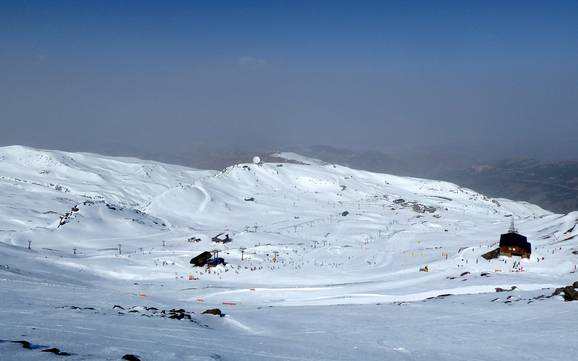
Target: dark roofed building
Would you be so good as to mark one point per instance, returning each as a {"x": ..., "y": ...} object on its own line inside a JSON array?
[
  {"x": 219, "y": 238},
  {"x": 514, "y": 244},
  {"x": 201, "y": 259}
]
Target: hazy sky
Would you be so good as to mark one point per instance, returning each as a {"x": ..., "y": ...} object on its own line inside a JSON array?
[{"x": 498, "y": 76}]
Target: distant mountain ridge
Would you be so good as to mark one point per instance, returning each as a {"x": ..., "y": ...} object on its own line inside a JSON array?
[{"x": 550, "y": 184}]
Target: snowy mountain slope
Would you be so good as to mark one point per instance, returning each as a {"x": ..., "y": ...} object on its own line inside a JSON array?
[{"x": 306, "y": 234}]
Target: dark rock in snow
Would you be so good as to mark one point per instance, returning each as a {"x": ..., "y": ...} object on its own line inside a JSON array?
[
  {"x": 439, "y": 297},
  {"x": 569, "y": 293},
  {"x": 179, "y": 314},
  {"x": 499, "y": 289},
  {"x": 214, "y": 311},
  {"x": 25, "y": 344},
  {"x": 56, "y": 351},
  {"x": 345, "y": 213},
  {"x": 129, "y": 357},
  {"x": 575, "y": 284}
]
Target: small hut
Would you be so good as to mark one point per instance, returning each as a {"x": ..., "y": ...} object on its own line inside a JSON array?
[
  {"x": 201, "y": 259},
  {"x": 219, "y": 238},
  {"x": 514, "y": 244}
]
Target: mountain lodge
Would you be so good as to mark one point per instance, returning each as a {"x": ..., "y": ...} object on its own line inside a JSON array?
[
  {"x": 201, "y": 259},
  {"x": 511, "y": 244},
  {"x": 514, "y": 244}
]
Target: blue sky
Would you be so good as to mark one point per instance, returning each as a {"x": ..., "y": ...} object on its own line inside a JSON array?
[
  {"x": 319, "y": 34},
  {"x": 360, "y": 74}
]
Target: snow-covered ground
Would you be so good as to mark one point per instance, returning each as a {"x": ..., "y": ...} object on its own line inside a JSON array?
[{"x": 324, "y": 264}]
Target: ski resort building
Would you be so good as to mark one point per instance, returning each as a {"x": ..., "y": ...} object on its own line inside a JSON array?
[
  {"x": 511, "y": 244},
  {"x": 201, "y": 259},
  {"x": 514, "y": 244},
  {"x": 222, "y": 238}
]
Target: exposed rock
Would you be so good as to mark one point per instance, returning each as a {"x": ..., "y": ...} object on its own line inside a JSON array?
[
  {"x": 418, "y": 209},
  {"x": 439, "y": 297},
  {"x": 130, "y": 357},
  {"x": 179, "y": 314},
  {"x": 539, "y": 298},
  {"x": 173, "y": 314},
  {"x": 56, "y": 351},
  {"x": 25, "y": 344},
  {"x": 214, "y": 311},
  {"x": 569, "y": 293},
  {"x": 499, "y": 289}
]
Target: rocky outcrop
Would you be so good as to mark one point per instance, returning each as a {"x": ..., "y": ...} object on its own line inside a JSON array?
[
  {"x": 214, "y": 311},
  {"x": 569, "y": 292},
  {"x": 499, "y": 289},
  {"x": 130, "y": 357},
  {"x": 56, "y": 351}
]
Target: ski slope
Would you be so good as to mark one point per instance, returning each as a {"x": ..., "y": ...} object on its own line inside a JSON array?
[{"x": 324, "y": 263}]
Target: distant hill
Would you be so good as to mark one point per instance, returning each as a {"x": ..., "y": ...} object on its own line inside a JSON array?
[{"x": 552, "y": 185}]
